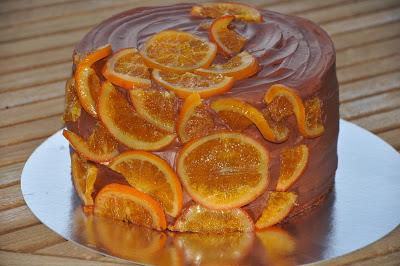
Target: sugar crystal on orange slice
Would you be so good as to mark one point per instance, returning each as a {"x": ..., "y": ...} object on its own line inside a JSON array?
[
  {"x": 127, "y": 204},
  {"x": 293, "y": 162},
  {"x": 223, "y": 170},
  {"x": 194, "y": 119},
  {"x": 100, "y": 146},
  {"x": 187, "y": 83},
  {"x": 72, "y": 110},
  {"x": 126, "y": 125},
  {"x": 216, "y": 10},
  {"x": 177, "y": 51},
  {"x": 197, "y": 218},
  {"x": 279, "y": 205},
  {"x": 158, "y": 107},
  {"x": 152, "y": 175},
  {"x": 84, "y": 175}
]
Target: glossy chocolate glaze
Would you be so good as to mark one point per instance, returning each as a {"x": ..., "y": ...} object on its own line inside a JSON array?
[{"x": 291, "y": 51}]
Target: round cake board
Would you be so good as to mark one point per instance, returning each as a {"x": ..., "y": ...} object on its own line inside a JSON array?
[{"x": 363, "y": 207}]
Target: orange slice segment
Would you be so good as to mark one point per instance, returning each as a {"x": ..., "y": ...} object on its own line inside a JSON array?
[
  {"x": 241, "y": 66},
  {"x": 178, "y": 51},
  {"x": 216, "y": 10},
  {"x": 100, "y": 146},
  {"x": 185, "y": 84},
  {"x": 223, "y": 170},
  {"x": 243, "y": 109},
  {"x": 72, "y": 110},
  {"x": 197, "y": 218},
  {"x": 152, "y": 175},
  {"x": 127, "y": 69},
  {"x": 148, "y": 104},
  {"x": 279, "y": 205},
  {"x": 84, "y": 175},
  {"x": 293, "y": 163},
  {"x": 121, "y": 120},
  {"x": 127, "y": 204},
  {"x": 92, "y": 57},
  {"x": 284, "y": 101},
  {"x": 228, "y": 41},
  {"x": 194, "y": 120}
]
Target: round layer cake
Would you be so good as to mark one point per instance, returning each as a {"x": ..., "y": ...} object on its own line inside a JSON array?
[{"x": 294, "y": 56}]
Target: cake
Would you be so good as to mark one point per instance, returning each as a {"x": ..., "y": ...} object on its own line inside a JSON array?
[{"x": 204, "y": 118}]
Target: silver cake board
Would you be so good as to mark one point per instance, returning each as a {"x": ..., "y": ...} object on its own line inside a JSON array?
[{"x": 363, "y": 207}]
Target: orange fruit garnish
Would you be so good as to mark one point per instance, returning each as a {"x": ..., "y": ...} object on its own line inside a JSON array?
[
  {"x": 86, "y": 80},
  {"x": 228, "y": 41},
  {"x": 216, "y": 10},
  {"x": 126, "y": 125},
  {"x": 152, "y": 175},
  {"x": 197, "y": 218},
  {"x": 187, "y": 83},
  {"x": 223, "y": 170},
  {"x": 127, "y": 204},
  {"x": 194, "y": 120},
  {"x": 283, "y": 101},
  {"x": 235, "y": 111},
  {"x": 293, "y": 163},
  {"x": 178, "y": 51},
  {"x": 84, "y": 175},
  {"x": 72, "y": 110},
  {"x": 241, "y": 66},
  {"x": 100, "y": 146},
  {"x": 159, "y": 107},
  {"x": 276, "y": 242},
  {"x": 127, "y": 69},
  {"x": 279, "y": 205}
]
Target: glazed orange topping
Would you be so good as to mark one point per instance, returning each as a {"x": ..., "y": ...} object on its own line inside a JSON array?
[
  {"x": 233, "y": 41},
  {"x": 216, "y": 10},
  {"x": 132, "y": 64},
  {"x": 84, "y": 175},
  {"x": 234, "y": 120},
  {"x": 199, "y": 124},
  {"x": 290, "y": 159},
  {"x": 100, "y": 141},
  {"x": 72, "y": 110},
  {"x": 280, "y": 108},
  {"x": 313, "y": 112}
]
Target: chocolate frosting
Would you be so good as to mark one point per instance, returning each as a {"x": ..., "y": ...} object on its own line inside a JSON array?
[{"x": 290, "y": 50}]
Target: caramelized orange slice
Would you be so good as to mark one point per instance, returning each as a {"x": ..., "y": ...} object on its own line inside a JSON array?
[
  {"x": 127, "y": 204},
  {"x": 185, "y": 84},
  {"x": 127, "y": 69},
  {"x": 86, "y": 80},
  {"x": 284, "y": 101},
  {"x": 216, "y": 10},
  {"x": 152, "y": 175},
  {"x": 126, "y": 125},
  {"x": 241, "y": 66},
  {"x": 279, "y": 205},
  {"x": 84, "y": 175},
  {"x": 194, "y": 120},
  {"x": 100, "y": 146},
  {"x": 223, "y": 170},
  {"x": 72, "y": 110},
  {"x": 228, "y": 41},
  {"x": 197, "y": 218},
  {"x": 178, "y": 51},
  {"x": 148, "y": 104},
  {"x": 293, "y": 163},
  {"x": 243, "y": 109}
]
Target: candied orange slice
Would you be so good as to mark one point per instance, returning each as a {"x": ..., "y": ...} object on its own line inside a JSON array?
[
  {"x": 84, "y": 175},
  {"x": 293, "y": 163},
  {"x": 194, "y": 120},
  {"x": 126, "y": 125},
  {"x": 158, "y": 107},
  {"x": 72, "y": 110},
  {"x": 284, "y": 101},
  {"x": 96, "y": 55},
  {"x": 178, "y": 51},
  {"x": 100, "y": 146},
  {"x": 216, "y": 10},
  {"x": 152, "y": 175},
  {"x": 223, "y": 170},
  {"x": 241, "y": 66},
  {"x": 228, "y": 41},
  {"x": 127, "y": 204},
  {"x": 197, "y": 218},
  {"x": 279, "y": 205},
  {"x": 185, "y": 84},
  {"x": 242, "y": 109},
  {"x": 127, "y": 69}
]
